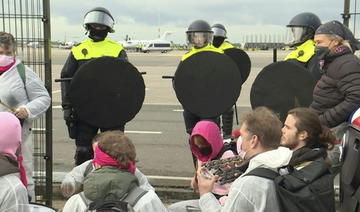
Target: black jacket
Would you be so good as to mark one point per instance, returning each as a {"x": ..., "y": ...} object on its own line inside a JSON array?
[
  {"x": 337, "y": 93},
  {"x": 305, "y": 154}
]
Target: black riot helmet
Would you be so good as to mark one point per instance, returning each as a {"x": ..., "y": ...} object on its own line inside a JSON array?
[
  {"x": 99, "y": 15},
  {"x": 199, "y": 34},
  {"x": 219, "y": 30},
  {"x": 303, "y": 27}
]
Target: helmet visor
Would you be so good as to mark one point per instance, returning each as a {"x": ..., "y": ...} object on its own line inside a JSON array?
[
  {"x": 98, "y": 17},
  {"x": 219, "y": 32},
  {"x": 297, "y": 33},
  {"x": 199, "y": 39}
]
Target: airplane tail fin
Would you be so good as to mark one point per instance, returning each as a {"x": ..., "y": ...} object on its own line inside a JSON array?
[{"x": 165, "y": 35}]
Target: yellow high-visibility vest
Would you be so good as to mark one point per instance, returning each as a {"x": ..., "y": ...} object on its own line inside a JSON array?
[
  {"x": 303, "y": 53},
  {"x": 226, "y": 45},
  {"x": 89, "y": 49},
  {"x": 209, "y": 47}
]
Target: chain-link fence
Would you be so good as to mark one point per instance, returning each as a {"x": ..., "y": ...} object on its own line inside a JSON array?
[{"x": 29, "y": 22}]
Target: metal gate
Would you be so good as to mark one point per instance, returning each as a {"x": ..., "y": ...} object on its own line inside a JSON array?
[
  {"x": 350, "y": 16},
  {"x": 29, "y": 22}
]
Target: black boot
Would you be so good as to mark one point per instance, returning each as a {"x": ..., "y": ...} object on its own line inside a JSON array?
[
  {"x": 227, "y": 122},
  {"x": 82, "y": 154}
]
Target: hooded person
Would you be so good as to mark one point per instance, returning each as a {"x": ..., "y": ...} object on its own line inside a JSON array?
[
  {"x": 114, "y": 179},
  {"x": 206, "y": 145},
  {"x": 13, "y": 182}
]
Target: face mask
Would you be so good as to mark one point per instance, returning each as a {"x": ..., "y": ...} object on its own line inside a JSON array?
[
  {"x": 98, "y": 35},
  {"x": 206, "y": 151},
  {"x": 6, "y": 60},
  {"x": 321, "y": 52},
  {"x": 238, "y": 148},
  {"x": 217, "y": 41}
]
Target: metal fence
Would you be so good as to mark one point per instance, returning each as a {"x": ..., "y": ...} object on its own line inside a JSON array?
[
  {"x": 351, "y": 16},
  {"x": 29, "y": 22}
]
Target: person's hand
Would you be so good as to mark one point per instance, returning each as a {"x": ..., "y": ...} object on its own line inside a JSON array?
[
  {"x": 21, "y": 113},
  {"x": 205, "y": 185},
  {"x": 67, "y": 189},
  {"x": 194, "y": 184},
  {"x": 67, "y": 114}
]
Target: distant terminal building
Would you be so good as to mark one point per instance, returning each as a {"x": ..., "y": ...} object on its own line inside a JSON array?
[{"x": 263, "y": 45}]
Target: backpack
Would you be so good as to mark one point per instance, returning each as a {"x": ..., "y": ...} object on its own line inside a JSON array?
[
  {"x": 125, "y": 204},
  {"x": 308, "y": 189}
]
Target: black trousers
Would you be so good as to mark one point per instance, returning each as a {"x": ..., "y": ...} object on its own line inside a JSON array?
[
  {"x": 227, "y": 120},
  {"x": 191, "y": 120},
  {"x": 83, "y": 141}
]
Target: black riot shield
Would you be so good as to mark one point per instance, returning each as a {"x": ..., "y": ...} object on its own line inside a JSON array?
[
  {"x": 242, "y": 60},
  {"x": 282, "y": 86},
  {"x": 107, "y": 92},
  {"x": 350, "y": 171},
  {"x": 207, "y": 84}
]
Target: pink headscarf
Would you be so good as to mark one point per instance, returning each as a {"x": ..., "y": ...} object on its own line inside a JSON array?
[
  {"x": 10, "y": 140},
  {"x": 103, "y": 159}
]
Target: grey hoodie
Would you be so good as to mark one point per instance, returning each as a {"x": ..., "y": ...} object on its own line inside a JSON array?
[{"x": 251, "y": 193}]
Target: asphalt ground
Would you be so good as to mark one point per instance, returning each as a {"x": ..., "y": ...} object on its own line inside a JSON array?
[{"x": 158, "y": 130}]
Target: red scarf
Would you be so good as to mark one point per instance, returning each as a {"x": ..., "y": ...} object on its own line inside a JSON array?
[
  {"x": 6, "y": 68},
  {"x": 22, "y": 171},
  {"x": 103, "y": 159}
]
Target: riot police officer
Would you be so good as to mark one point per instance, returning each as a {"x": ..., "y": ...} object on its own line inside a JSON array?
[
  {"x": 220, "y": 36},
  {"x": 98, "y": 22},
  {"x": 199, "y": 36},
  {"x": 219, "y": 42},
  {"x": 303, "y": 27}
]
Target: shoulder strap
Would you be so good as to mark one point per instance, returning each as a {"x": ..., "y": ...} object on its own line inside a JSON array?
[
  {"x": 263, "y": 172},
  {"x": 21, "y": 71},
  {"x": 134, "y": 195},
  {"x": 88, "y": 169}
]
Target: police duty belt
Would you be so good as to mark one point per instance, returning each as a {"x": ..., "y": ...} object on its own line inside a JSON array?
[
  {"x": 207, "y": 83},
  {"x": 107, "y": 92},
  {"x": 282, "y": 86}
]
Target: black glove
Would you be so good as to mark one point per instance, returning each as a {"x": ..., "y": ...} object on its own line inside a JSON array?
[
  {"x": 68, "y": 114},
  {"x": 69, "y": 117}
]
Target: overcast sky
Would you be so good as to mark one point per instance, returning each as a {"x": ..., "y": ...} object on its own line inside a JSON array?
[{"x": 141, "y": 19}]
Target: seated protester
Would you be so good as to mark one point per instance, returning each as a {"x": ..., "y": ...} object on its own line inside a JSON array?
[
  {"x": 74, "y": 180},
  {"x": 206, "y": 144},
  {"x": 113, "y": 179},
  {"x": 261, "y": 133},
  {"x": 306, "y": 137},
  {"x": 13, "y": 196}
]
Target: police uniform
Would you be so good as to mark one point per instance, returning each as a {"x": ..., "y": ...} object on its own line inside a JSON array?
[
  {"x": 190, "y": 118},
  {"x": 304, "y": 44},
  {"x": 228, "y": 116},
  {"x": 219, "y": 41},
  {"x": 303, "y": 55},
  {"x": 93, "y": 47}
]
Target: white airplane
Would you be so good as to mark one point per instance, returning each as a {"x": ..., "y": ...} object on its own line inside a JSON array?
[
  {"x": 161, "y": 44},
  {"x": 67, "y": 45}
]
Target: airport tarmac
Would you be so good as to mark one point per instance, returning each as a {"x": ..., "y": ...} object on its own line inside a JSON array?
[{"x": 158, "y": 130}]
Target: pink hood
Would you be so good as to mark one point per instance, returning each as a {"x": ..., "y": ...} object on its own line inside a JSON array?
[
  {"x": 10, "y": 134},
  {"x": 211, "y": 132}
]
